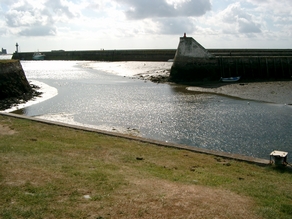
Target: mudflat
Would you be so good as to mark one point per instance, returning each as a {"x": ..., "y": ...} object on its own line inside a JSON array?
[{"x": 279, "y": 92}]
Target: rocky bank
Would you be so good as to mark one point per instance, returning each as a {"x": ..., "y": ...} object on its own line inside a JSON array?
[{"x": 14, "y": 87}]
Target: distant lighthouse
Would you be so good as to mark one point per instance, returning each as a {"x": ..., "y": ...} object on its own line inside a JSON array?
[{"x": 16, "y": 47}]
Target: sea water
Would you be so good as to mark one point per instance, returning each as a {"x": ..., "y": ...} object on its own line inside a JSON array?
[{"x": 108, "y": 96}]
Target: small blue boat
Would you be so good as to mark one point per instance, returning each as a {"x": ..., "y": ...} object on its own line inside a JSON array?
[{"x": 231, "y": 79}]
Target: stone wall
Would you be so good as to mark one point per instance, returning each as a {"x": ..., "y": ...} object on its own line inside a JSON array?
[
  {"x": 194, "y": 63},
  {"x": 104, "y": 55},
  {"x": 13, "y": 82},
  {"x": 249, "y": 68}
]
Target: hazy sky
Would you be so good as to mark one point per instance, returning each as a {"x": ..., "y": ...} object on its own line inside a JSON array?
[{"x": 46, "y": 25}]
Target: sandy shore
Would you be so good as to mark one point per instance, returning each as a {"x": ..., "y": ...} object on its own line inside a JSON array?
[{"x": 274, "y": 92}]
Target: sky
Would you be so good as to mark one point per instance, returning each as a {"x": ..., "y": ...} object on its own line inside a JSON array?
[{"x": 46, "y": 25}]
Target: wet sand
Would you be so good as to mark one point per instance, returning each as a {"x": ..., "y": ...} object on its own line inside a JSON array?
[{"x": 279, "y": 92}]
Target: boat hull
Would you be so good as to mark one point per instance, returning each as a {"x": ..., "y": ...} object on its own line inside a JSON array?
[
  {"x": 231, "y": 79},
  {"x": 38, "y": 56}
]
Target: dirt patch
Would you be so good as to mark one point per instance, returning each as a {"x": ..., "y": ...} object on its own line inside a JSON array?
[
  {"x": 5, "y": 130},
  {"x": 150, "y": 198}
]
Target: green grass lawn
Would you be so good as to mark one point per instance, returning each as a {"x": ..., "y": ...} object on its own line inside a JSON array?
[{"x": 49, "y": 171}]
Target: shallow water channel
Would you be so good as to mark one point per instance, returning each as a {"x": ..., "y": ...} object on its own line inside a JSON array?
[{"x": 164, "y": 112}]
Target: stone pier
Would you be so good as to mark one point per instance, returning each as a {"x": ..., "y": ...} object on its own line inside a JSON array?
[{"x": 193, "y": 62}]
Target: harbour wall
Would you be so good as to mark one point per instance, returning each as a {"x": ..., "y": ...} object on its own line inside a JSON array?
[
  {"x": 249, "y": 68},
  {"x": 193, "y": 63},
  {"x": 145, "y": 55},
  {"x": 190, "y": 64},
  {"x": 104, "y": 55}
]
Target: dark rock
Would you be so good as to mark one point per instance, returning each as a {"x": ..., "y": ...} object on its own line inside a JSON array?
[
  {"x": 139, "y": 158},
  {"x": 14, "y": 87}
]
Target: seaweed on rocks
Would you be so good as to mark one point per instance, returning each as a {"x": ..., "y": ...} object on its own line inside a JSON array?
[{"x": 10, "y": 102}]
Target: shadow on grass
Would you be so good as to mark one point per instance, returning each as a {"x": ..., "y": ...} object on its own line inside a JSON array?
[{"x": 282, "y": 168}]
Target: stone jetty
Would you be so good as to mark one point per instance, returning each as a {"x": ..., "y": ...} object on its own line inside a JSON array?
[{"x": 193, "y": 62}]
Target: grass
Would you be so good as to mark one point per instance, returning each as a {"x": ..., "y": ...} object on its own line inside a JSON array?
[{"x": 50, "y": 171}]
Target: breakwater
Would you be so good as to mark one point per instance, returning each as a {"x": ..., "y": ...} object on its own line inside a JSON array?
[
  {"x": 147, "y": 55},
  {"x": 193, "y": 62},
  {"x": 250, "y": 52},
  {"x": 104, "y": 55}
]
